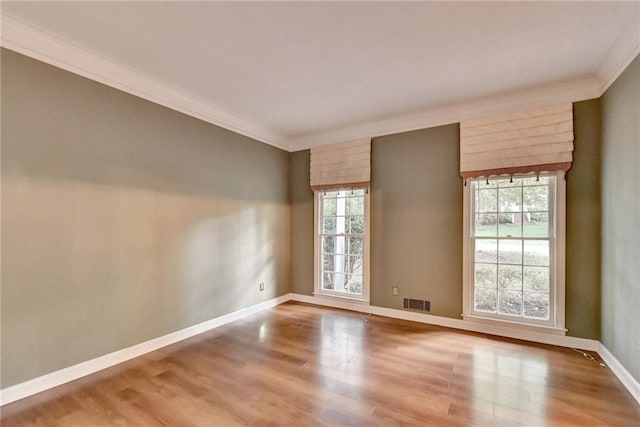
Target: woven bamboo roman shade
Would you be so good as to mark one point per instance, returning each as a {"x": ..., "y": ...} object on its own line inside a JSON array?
[
  {"x": 343, "y": 165},
  {"x": 535, "y": 140}
]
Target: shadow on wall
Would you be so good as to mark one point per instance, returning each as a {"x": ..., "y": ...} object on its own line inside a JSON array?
[
  {"x": 123, "y": 220},
  {"x": 225, "y": 252},
  {"x": 90, "y": 269}
]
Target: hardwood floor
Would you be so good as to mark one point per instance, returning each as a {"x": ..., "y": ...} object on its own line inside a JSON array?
[{"x": 301, "y": 365}]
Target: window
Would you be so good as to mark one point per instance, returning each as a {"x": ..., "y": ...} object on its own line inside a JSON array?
[
  {"x": 514, "y": 249},
  {"x": 342, "y": 245}
]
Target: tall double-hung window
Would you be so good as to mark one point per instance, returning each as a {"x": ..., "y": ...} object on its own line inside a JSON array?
[
  {"x": 340, "y": 175},
  {"x": 342, "y": 241},
  {"x": 514, "y": 230},
  {"x": 514, "y": 169}
]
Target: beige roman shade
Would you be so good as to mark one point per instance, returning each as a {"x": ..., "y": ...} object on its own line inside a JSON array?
[
  {"x": 535, "y": 140},
  {"x": 342, "y": 165}
]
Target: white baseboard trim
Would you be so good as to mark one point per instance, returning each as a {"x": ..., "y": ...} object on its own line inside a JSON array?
[
  {"x": 620, "y": 371},
  {"x": 610, "y": 360},
  {"x": 466, "y": 325},
  {"x": 65, "y": 375}
]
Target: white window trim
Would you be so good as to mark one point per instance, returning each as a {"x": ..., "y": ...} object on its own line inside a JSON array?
[
  {"x": 317, "y": 280},
  {"x": 557, "y": 324}
]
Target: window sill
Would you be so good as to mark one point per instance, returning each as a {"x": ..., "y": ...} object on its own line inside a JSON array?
[
  {"x": 329, "y": 297},
  {"x": 515, "y": 325}
]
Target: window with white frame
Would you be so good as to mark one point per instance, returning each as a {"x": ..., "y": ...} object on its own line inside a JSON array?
[
  {"x": 342, "y": 246},
  {"x": 514, "y": 249}
]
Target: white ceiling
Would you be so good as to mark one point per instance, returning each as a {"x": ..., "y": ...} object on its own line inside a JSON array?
[{"x": 299, "y": 74}]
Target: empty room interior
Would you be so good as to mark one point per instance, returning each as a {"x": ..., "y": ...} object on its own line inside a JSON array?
[{"x": 320, "y": 213}]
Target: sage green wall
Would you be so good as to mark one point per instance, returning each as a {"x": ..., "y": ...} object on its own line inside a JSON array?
[
  {"x": 123, "y": 220},
  {"x": 621, "y": 219},
  {"x": 301, "y": 198},
  {"x": 583, "y": 224},
  {"x": 416, "y": 219},
  {"x": 117, "y": 212}
]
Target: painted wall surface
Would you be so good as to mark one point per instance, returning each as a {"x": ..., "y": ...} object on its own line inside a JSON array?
[
  {"x": 621, "y": 219},
  {"x": 302, "y": 207},
  {"x": 117, "y": 212},
  {"x": 583, "y": 224},
  {"x": 416, "y": 219},
  {"x": 123, "y": 220}
]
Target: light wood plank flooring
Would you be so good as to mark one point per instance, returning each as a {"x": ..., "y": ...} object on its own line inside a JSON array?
[{"x": 301, "y": 365}]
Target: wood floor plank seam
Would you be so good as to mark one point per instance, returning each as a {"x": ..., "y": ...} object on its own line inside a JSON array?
[{"x": 305, "y": 365}]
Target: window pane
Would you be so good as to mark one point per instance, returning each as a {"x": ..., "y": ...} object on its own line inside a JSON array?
[
  {"x": 487, "y": 201},
  {"x": 485, "y": 300},
  {"x": 536, "y": 305},
  {"x": 510, "y": 302},
  {"x": 354, "y": 265},
  {"x": 510, "y": 277},
  {"x": 536, "y": 279},
  {"x": 510, "y": 199},
  {"x": 335, "y": 263},
  {"x": 355, "y": 225},
  {"x": 510, "y": 251},
  {"x": 329, "y": 225},
  {"x": 355, "y": 206},
  {"x": 340, "y": 224},
  {"x": 338, "y": 282},
  {"x": 537, "y": 225},
  {"x": 354, "y": 284},
  {"x": 486, "y": 275},
  {"x": 333, "y": 244},
  {"x": 342, "y": 204},
  {"x": 356, "y": 245},
  {"x": 510, "y": 224},
  {"x": 328, "y": 206},
  {"x": 327, "y": 281},
  {"x": 328, "y": 244},
  {"x": 486, "y": 225},
  {"x": 328, "y": 263},
  {"x": 536, "y": 198},
  {"x": 536, "y": 252},
  {"x": 486, "y": 250}
]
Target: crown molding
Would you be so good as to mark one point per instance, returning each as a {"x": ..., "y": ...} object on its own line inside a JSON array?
[
  {"x": 43, "y": 46},
  {"x": 36, "y": 43},
  {"x": 621, "y": 54},
  {"x": 556, "y": 93}
]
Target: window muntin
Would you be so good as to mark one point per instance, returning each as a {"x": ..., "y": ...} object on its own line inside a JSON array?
[
  {"x": 342, "y": 243},
  {"x": 513, "y": 248}
]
